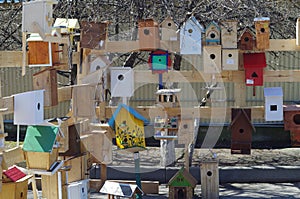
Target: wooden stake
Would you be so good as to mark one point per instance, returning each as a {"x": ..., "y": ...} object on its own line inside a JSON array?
[{"x": 24, "y": 57}]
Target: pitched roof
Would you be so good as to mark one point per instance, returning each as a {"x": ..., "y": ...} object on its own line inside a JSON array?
[
  {"x": 131, "y": 110},
  {"x": 14, "y": 173},
  {"x": 273, "y": 91},
  {"x": 189, "y": 179},
  {"x": 120, "y": 189},
  {"x": 242, "y": 113}
]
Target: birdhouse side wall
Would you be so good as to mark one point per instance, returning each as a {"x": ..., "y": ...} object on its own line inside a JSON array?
[{"x": 93, "y": 35}]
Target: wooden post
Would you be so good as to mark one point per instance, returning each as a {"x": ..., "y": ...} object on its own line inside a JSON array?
[
  {"x": 103, "y": 174},
  {"x": 240, "y": 94},
  {"x": 209, "y": 179},
  {"x": 136, "y": 156},
  {"x": 24, "y": 58},
  {"x": 167, "y": 152}
]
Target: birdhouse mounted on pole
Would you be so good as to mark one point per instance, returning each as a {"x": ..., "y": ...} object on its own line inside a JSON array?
[
  {"x": 262, "y": 32},
  {"x": 213, "y": 34},
  {"x": 122, "y": 81},
  {"x": 229, "y": 34},
  {"x": 159, "y": 61},
  {"x": 148, "y": 33},
  {"x": 292, "y": 123}
]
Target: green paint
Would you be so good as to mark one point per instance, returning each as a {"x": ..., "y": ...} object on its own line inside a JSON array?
[
  {"x": 180, "y": 181},
  {"x": 159, "y": 62}
]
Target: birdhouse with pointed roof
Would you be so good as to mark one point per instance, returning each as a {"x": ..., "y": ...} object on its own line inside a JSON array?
[
  {"x": 182, "y": 185},
  {"x": 273, "y": 104},
  {"x": 66, "y": 26},
  {"x": 191, "y": 37},
  {"x": 213, "y": 34},
  {"x": 229, "y": 34},
  {"x": 93, "y": 35},
  {"x": 148, "y": 33},
  {"x": 254, "y": 64},
  {"x": 262, "y": 31},
  {"x": 129, "y": 127},
  {"x": 168, "y": 30},
  {"x": 241, "y": 131},
  {"x": 247, "y": 40},
  {"x": 212, "y": 58},
  {"x": 120, "y": 190}
]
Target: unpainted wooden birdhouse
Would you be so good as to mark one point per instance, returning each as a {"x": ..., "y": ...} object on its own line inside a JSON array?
[
  {"x": 209, "y": 172},
  {"x": 241, "y": 131},
  {"x": 148, "y": 33},
  {"x": 298, "y": 32},
  {"x": 186, "y": 131},
  {"x": 47, "y": 80},
  {"x": 83, "y": 100},
  {"x": 230, "y": 59},
  {"x": 254, "y": 64},
  {"x": 191, "y": 37},
  {"x": 37, "y": 13},
  {"x": 229, "y": 34},
  {"x": 42, "y": 53},
  {"x": 93, "y": 34},
  {"x": 168, "y": 30},
  {"x": 213, "y": 34},
  {"x": 262, "y": 32},
  {"x": 273, "y": 104},
  {"x": 247, "y": 40},
  {"x": 212, "y": 58}
]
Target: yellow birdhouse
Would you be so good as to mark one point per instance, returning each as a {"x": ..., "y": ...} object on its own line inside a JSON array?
[{"x": 129, "y": 128}]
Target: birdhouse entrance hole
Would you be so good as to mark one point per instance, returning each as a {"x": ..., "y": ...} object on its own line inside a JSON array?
[
  {"x": 262, "y": 30},
  {"x": 146, "y": 31},
  {"x": 121, "y": 77},
  {"x": 273, "y": 107},
  {"x": 297, "y": 119},
  {"x": 241, "y": 130},
  {"x": 246, "y": 39},
  {"x": 212, "y": 56},
  {"x": 38, "y": 106},
  {"x": 209, "y": 173}
]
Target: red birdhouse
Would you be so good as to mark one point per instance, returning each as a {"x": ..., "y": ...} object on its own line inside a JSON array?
[
  {"x": 254, "y": 64},
  {"x": 159, "y": 61}
]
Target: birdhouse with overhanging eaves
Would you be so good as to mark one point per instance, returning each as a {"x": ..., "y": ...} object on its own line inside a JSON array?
[
  {"x": 160, "y": 61},
  {"x": 148, "y": 33},
  {"x": 213, "y": 34},
  {"x": 168, "y": 30},
  {"x": 273, "y": 104},
  {"x": 247, "y": 40},
  {"x": 182, "y": 185},
  {"x": 191, "y": 37},
  {"x": 229, "y": 34},
  {"x": 254, "y": 64},
  {"x": 262, "y": 31},
  {"x": 129, "y": 128}
]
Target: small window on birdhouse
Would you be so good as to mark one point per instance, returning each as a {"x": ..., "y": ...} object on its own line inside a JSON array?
[
  {"x": 254, "y": 74},
  {"x": 273, "y": 107},
  {"x": 297, "y": 119}
]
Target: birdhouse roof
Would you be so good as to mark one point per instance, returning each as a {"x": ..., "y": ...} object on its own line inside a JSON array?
[
  {"x": 242, "y": 115},
  {"x": 245, "y": 31},
  {"x": 14, "y": 173},
  {"x": 186, "y": 179},
  {"x": 167, "y": 20},
  {"x": 168, "y": 91},
  {"x": 262, "y": 19},
  {"x": 66, "y": 23},
  {"x": 194, "y": 22},
  {"x": 120, "y": 189},
  {"x": 131, "y": 110},
  {"x": 273, "y": 91},
  {"x": 213, "y": 24},
  {"x": 40, "y": 138},
  {"x": 255, "y": 60}
]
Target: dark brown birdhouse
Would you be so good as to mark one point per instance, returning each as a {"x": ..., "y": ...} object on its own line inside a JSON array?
[
  {"x": 241, "y": 131},
  {"x": 93, "y": 34},
  {"x": 262, "y": 32},
  {"x": 292, "y": 123},
  {"x": 148, "y": 34},
  {"x": 247, "y": 40}
]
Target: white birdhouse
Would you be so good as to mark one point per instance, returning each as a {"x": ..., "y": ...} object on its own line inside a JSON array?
[
  {"x": 37, "y": 12},
  {"x": 273, "y": 104},
  {"x": 29, "y": 108},
  {"x": 230, "y": 59},
  {"x": 212, "y": 57},
  {"x": 190, "y": 37},
  {"x": 122, "y": 81}
]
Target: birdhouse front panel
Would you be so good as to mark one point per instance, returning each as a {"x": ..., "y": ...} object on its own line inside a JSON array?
[
  {"x": 254, "y": 64},
  {"x": 148, "y": 33},
  {"x": 230, "y": 59},
  {"x": 191, "y": 38},
  {"x": 37, "y": 12},
  {"x": 29, "y": 108},
  {"x": 273, "y": 104},
  {"x": 247, "y": 40},
  {"x": 42, "y": 53},
  {"x": 168, "y": 30},
  {"x": 122, "y": 81},
  {"x": 212, "y": 59},
  {"x": 298, "y": 32},
  {"x": 129, "y": 130},
  {"x": 213, "y": 34},
  {"x": 209, "y": 173},
  {"x": 83, "y": 101},
  {"x": 93, "y": 35},
  {"x": 262, "y": 33},
  {"x": 159, "y": 61},
  {"x": 229, "y": 34},
  {"x": 292, "y": 118}
]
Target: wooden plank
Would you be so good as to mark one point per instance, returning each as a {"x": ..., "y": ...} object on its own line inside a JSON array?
[
  {"x": 11, "y": 58},
  {"x": 209, "y": 180},
  {"x": 50, "y": 186},
  {"x": 283, "y": 45},
  {"x": 240, "y": 94}
]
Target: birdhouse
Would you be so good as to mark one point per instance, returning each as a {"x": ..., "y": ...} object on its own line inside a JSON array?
[
  {"x": 159, "y": 61},
  {"x": 229, "y": 34},
  {"x": 121, "y": 81},
  {"x": 262, "y": 32},
  {"x": 230, "y": 59},
  {"x": 41, "y": 53},
  {"x": 168, "y": 97},
  {"x": 168, "y": 30},
  {"x": 190, "y": 37},
  {"x": 213, "y": 34},
  {"x": 209, "y": 179},
  {"x": 40, "y": 147},
  {"x": 148, "y": 33},
  {"x": 212, "y": 59},
  {"x": 129, "y": 127},
  {"x": 254, "y": 64},
  {"x": 83, "y": 100},
  {"x": 78, "y": 190},
  {"x": 298, "y": 32},
  {"x": 47, "y": 80},
  {"x": 166, "y": 128},
  {"x": 120, "y": 190},
  {"x": 93, "y": 34},
  {"x": 241, "y": 131},
  {"x": 73, "y": 140},
  {"x": 247, "y": 40},
  {"x": 273, "y": 104},
  {"x": 37, "y": 13},
  {"x": 186, "y": 131},
  {"x": 292, "y": 123},
  {"x": 182, "y": 185},
  {"x": 29, "y": 108},
  {"x": 66, "y": 26}
]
